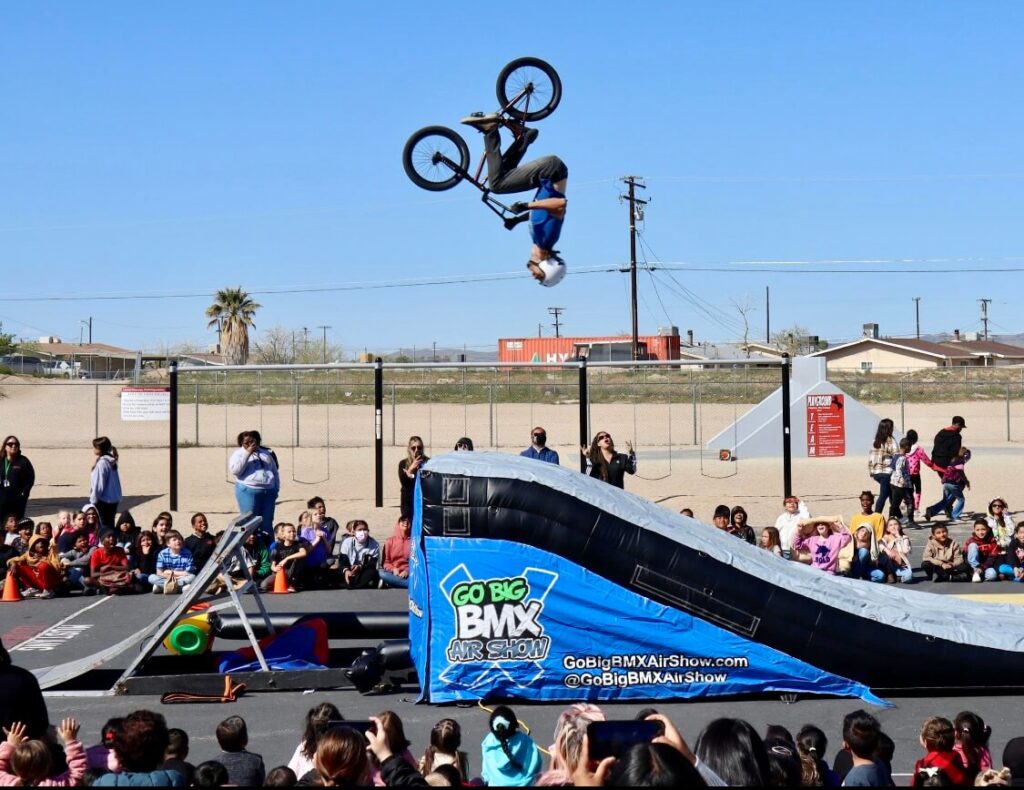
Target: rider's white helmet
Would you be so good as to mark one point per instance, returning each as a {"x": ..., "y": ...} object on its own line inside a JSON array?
[{"x": 553, "y": 269}]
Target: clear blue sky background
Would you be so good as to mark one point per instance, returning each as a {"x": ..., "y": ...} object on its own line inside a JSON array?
[{"x": 177, "y": 148}]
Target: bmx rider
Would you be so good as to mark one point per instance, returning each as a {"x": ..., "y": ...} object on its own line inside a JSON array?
[{"x": 548, "y": 175}]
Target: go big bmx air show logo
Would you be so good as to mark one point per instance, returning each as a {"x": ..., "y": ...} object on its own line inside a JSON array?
[{"x": 496, "y": 620}]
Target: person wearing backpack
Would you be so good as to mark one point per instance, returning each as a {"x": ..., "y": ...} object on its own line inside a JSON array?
[{"x": 901, "y": 484}]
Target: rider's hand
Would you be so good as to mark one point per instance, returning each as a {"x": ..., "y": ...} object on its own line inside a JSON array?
[{"x": 519, "y": 207}]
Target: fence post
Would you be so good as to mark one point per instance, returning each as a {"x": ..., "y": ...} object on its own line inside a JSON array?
[
  {"x": 96, "y": 409},
  {"x": 1007, "y": 411},
  {"x": 197, "y": 412},
  {"x": 787, "y": 452},
  {"x": 693, "y": 402},
  {"x": 295, "y": 387},
  {"x": 393, "y": 417},
  {"x": 903, "y": 418},
  {"x": 378, "y": 426},
  {"x": 490, "y": 413},
  {"x": 584, "y": 408},
  {"x": 172, "y": 371}
]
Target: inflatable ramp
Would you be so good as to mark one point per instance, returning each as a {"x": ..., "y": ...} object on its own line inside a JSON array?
[{"x": 531, "y": 581}]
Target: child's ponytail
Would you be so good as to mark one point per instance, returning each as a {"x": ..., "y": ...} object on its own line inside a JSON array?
[{"x": 504, "y": 726}]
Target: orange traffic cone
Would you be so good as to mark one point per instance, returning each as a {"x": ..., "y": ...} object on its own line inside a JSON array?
[
  {"x": 11, "y": 591},
  {"x": 281, "y": 581}
]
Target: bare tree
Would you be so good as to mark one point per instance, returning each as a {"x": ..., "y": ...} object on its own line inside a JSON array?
[{"x": 743, "y": 309}]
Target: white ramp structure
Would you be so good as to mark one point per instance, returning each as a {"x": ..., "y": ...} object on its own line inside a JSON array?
[{"x": 824, "y": 421}]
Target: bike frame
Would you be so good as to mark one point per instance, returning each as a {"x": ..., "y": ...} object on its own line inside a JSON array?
[{"x": 476, "y": 179}]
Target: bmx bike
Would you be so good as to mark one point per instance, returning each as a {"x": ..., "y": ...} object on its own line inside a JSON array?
[{"x": 436, "y": 158}]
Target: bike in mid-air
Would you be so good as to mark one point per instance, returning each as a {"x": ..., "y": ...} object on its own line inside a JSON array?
[{"x": 436, "y": 158}]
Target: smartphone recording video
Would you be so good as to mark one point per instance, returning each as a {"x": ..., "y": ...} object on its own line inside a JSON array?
[{"x": 614, "y": 738}]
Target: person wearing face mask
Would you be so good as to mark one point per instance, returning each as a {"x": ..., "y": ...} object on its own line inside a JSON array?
[
  {"x": 361, "y": 555},
  {"x": 538, "y": 449}
]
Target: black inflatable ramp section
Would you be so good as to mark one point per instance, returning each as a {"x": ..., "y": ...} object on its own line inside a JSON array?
[
  {"x": 340, "y": 625},
  {"x": 883, "y": 636}
]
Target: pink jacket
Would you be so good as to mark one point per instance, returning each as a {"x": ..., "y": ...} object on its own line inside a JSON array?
[
  {"x": 73, "y": 751},
  {"x": 824, "y": 551},
  {"x": 915, "y": 458}
]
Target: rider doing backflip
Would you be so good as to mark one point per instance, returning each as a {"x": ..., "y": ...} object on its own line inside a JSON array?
[{"x": 548, "y": 175}]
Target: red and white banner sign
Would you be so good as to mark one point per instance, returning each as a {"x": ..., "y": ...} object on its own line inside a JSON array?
[{"x": 826, "y": 426}]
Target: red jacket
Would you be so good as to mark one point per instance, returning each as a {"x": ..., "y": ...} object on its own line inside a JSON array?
[
  {"x": 949, "y": 763},
  {"x": 988, "y": 549}
]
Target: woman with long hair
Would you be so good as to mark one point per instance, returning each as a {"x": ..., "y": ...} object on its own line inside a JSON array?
[
  {"x": 408, "y": 468},
  {"x": 604, "y": 463},
  {"x": 17, "y": 476},
  {"x": 105, "y": 481},
  {"x": 258, "y": 479},
  {"x": 883, "y": 448},
  {"x": 318, "y": 721}
]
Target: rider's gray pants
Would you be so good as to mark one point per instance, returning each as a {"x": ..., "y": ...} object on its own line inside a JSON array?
[{"x": 505, "y": 174}]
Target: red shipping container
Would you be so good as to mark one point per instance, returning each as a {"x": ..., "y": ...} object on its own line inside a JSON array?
[{"x": 553, "y": 350}]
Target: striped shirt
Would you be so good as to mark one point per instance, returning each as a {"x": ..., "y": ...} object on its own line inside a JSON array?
[{"x": 166, "y": 561}]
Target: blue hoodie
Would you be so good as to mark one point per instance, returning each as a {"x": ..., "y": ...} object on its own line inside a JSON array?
[{"x": 496, "y": 768}]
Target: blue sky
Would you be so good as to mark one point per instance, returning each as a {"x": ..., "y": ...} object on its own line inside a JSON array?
[{"x": 177, "y": 148}]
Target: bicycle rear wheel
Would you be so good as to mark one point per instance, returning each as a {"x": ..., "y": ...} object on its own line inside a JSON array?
[
  {"x": 429, "y": 157},
  {"x": 533, "y": 85}
]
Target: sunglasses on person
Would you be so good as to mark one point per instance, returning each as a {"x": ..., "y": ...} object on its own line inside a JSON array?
[
  {"x": 602, "y": 437},
  {"x": 13, "y": 444}
]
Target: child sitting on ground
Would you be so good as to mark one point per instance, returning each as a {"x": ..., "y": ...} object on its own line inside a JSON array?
[
  {"x": 509, "y": 757},
  {"x": 1013, "y": 561},
  {"x": 397, "y": 743},
  {"x": 30, "y": 764},
  {"x": 360, "y": 556},
  {"x": 444, "y": 749},
  {"x": 938, "y": 738},
  {"x": 865, "y": 556},
  {"x": 22, "y": 536},
  {"x": 770, "y": 541},
  {"x": 176, "y": 755},
  {"x": 983, "y": 552},
  {"x": 860, "y": 739},
  {"x": 288, "y": 552},
  {"x": 789, "y": 521},
  {"x": 1001, "y": 522},
  {"x": 943, "y": 558},
  {"x": 894, "y": 553},
  {"x": 868, "y": 516},
  {"x": 244, "y": 768},
  {"x": 972, "y": 736},
  {"x": 173, "y": 563},
  {"x": 74, "y": 563},
  {"x": 829, "y": 536}
]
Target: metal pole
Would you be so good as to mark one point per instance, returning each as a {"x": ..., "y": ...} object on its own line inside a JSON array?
[
  {"x": 693, "y": 400},
  {"x": 1007, "y": 411},
  {"x": 96, "y": 409},
  {"x": 378, "y": 425},
  {"x": 903, "y": 418},
  {"x": 393, "y": 417},
  {"x": 917, "y": 315},
  {"x": 787, "y": 451},
  {"x": 295, "y": 387},
  {"x": 584, "y": 408},
  {"x": 490, "y": 413},
  {"x": 767, "y": 315},
  {"x": 172, "y": 438},
  {"x": 632, "y": 265},
  {"x": 197, "y": 412}
]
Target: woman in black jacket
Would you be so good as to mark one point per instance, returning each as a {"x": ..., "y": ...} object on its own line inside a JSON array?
[
  {"x": 16, "y": 480},
  {"x": 606, "y": 464}
]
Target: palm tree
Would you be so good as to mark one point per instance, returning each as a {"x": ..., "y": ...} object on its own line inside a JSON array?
[{"x": 232, "y": 312}]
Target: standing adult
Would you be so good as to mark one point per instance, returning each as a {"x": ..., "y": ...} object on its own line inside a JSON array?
[
  {"x": 408, "y": 468},
  {"x": 880, "y": 460},
  {"x": 947, "y": 445},
  {"x": 606, "y": 464},
  {"x": 16, "y": 480},
  {"x": 538, "y": 448},
  {"x": 257, "y": 479},
  {"x": 105, "y": 483}
]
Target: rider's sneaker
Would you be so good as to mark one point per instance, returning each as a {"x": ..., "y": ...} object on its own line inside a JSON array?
[
  {"x": 484, "y": 121},
  {"x": 531, "y": 135}
]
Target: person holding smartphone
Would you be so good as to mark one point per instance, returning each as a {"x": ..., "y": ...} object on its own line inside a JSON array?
[
  {"x": 408, "y": 468},
  {"x": 257, "y": 479}
]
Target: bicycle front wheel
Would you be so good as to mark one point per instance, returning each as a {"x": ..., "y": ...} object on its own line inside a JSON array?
[
  {"x": 529, "y": 88},
  {"x": 435, "y": 158}
]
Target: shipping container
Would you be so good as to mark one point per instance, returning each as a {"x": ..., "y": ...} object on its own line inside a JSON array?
[{"x": 548, "y": 350}]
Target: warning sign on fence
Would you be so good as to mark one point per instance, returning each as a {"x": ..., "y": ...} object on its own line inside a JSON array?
[
  {"x": 826, "y": 426},
  {"x": 145, "y": 403}
]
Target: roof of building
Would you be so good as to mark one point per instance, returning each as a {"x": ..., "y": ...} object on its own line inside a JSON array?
[
  {"x": 954, "y": 349},
  {"x": 81, "y": 350}
]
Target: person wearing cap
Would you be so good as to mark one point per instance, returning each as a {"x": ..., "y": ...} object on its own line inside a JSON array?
[
  {"x": 548, "y": 175},
  {"x": 947, "y": 443},
  {"x": 464, "y": 445},
  {"x": 538, "y": 449}
]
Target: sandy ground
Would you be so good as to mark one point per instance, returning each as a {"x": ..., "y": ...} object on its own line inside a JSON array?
[{"x": 334, "y": 456}]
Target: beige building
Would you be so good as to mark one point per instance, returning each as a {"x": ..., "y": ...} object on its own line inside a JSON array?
[{"x": 900, "y": 354}]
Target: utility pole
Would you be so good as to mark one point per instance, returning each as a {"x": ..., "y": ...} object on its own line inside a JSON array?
[
  {"x": 984, "y": 316},
  {"x": 556, "y": 311},
  {"x": 540, "y": 330},
  {"x": 636, "y": 212},
  {"x": 89, "y": 324},
  {"x": 305, "y": 339},
  {"x": 917, "y": 315},
  {"x": 435, "y": 351},
  {"x": 767, "y": 314},
  {"x": 325, "y": 328}
]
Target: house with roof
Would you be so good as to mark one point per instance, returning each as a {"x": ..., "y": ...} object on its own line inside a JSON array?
[{"x": 873, "y": 353}]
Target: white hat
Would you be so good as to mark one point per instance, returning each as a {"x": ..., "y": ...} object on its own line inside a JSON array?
[{"x": 553, "y": 269}]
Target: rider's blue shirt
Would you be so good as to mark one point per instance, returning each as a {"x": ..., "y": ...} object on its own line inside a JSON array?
[{"x": 545, "y": 227}]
